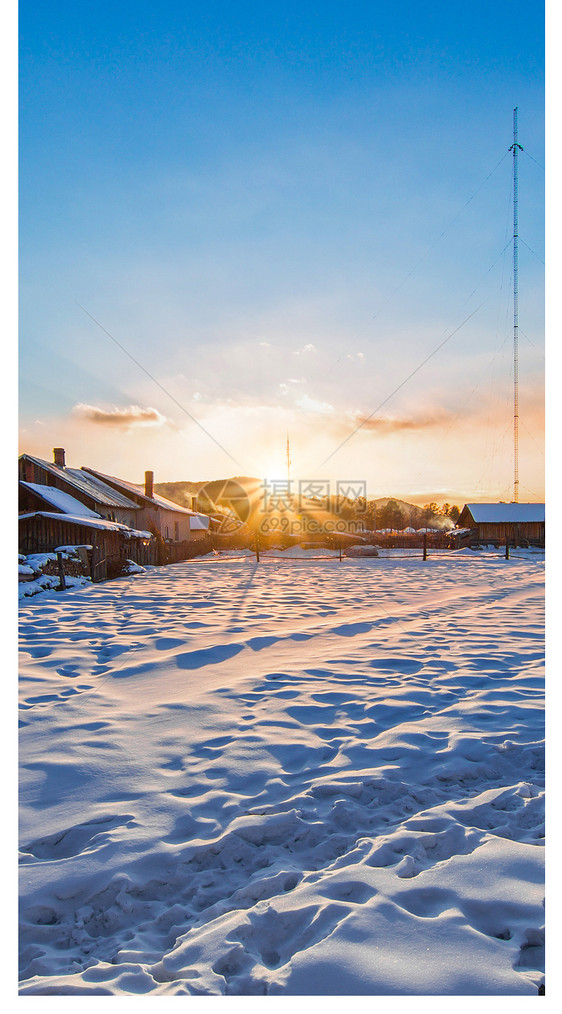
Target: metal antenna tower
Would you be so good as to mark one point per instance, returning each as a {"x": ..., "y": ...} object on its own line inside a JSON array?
[
  {"x": 288, "y": 464},
  {"x": 515, "y": 148}
]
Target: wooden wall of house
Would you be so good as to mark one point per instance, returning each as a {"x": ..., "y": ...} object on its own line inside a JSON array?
[
  {"x": 122, "y": 515},
  {"x": 171, "y": 525},
  {"x": 198, "y": 534},
  {"x": 28, "y": 471},
  {"x": 28, "y": 501},
  {"x": 174, "y": 526},
  {"x": 529, "y": 531}
]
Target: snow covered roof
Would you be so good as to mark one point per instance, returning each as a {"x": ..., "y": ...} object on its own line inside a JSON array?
[
  {"x": 99, "y": 523},
  {"x": 86, "y": 483},
  {"x": 58, "y": 498},
  {"x": 138, "y": 490},
  {"x": 513, "y": 513}
]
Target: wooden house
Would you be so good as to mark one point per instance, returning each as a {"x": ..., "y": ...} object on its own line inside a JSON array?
[
  {"x": 97, "y": 496},
  {"x": 496, "y": 523},
  {"x": 174, "y": 524}
]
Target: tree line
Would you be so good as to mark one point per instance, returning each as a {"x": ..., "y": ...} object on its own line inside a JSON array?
[{"x": 376, "y": 516}]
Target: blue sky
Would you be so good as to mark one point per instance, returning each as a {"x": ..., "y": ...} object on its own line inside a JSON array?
[{"x": 279, "y": 213}]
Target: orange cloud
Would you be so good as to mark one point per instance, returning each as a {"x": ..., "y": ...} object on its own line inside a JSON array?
[
  {"x": 134, "y": 415},
  {"x": 388, "y": 424}
]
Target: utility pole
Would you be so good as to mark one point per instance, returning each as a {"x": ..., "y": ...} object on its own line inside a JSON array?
[
  {"x": 515, "y": 148},
  {"x": 288, "y": 465}
]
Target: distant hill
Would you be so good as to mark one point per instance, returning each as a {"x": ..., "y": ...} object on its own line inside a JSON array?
[
  {"x": 178, "y": 492},
  {"x": 216, "y": 492}
]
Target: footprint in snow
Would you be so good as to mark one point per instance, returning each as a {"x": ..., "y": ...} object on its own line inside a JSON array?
[{"x": 74, "y": 840}]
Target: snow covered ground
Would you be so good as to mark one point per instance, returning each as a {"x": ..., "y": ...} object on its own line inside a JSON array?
[{"x": 285, "y": 779}]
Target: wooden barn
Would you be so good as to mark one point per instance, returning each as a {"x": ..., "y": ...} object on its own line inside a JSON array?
[{"x": 520, "y": 524}]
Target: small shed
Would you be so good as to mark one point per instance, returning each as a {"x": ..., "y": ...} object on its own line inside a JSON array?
[
  {"x": 516, "y": 523},
  {"x": 44, "y": 531}
]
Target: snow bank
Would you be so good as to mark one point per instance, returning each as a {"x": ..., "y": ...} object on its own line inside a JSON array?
[
  {"x": 362, "y": 551},
  {"x": 32, "y": 580}
]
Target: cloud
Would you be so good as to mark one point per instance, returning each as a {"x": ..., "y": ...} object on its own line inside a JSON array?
[
  {"x": 284, "y": 385},
  {"x": 388, "y": 424},
  {"x": 312, "y": 405},
  {"x": 134, "y": 415},
  {"x": 306, "y": 348}
]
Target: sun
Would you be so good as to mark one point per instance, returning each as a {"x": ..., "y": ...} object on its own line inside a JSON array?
[{"x": 273, "y": 470}]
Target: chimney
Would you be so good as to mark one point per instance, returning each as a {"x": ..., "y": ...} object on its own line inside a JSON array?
[
  {"x": 58, "y": 453},
  {"x": 149, "y": 484},
  {"x": 194, "y": 503}
]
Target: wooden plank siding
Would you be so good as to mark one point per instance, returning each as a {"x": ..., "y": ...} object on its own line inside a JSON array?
[
  {"x": 39, "y": 534},
  {"x": 500, "y": 530},
  {"x": 527, "y": 531}
]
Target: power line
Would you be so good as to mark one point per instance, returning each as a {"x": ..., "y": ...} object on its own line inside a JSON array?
[
  {"x": 440, "y": 236},
  {"x": 532, "y": 251},
  {"x": 536, "y": 443},
  {"x": 525, "y": 152},
  {"x": 401, "y": 385},
  {"x": 417, "y": 263},
  {"x": 431, "y": 354},
  {"x": 531, "y": 342},
  {"x": 161, "y": 386}
]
